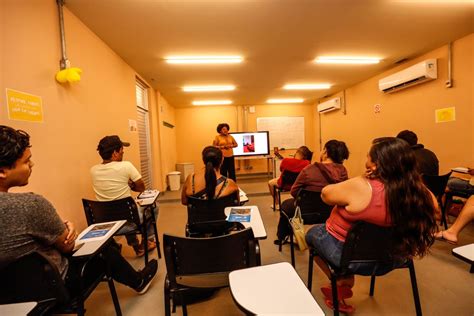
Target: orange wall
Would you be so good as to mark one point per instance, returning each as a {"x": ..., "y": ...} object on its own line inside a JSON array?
[
  {"x": 167, "y": 137},
  {"x": 76, "y": 116},
  {"x": 196, "y": 129},
  {"x": 413, "y": 109}
]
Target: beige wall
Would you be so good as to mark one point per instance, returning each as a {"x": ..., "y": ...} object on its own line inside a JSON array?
[
  {"x": 76, "y": 115},
  {"x": 413, "y": 109}
]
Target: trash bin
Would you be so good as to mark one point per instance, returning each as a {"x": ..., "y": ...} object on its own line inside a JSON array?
[
  {"x": 186, "y": 168},
  {"x": 173, "y": 180}
]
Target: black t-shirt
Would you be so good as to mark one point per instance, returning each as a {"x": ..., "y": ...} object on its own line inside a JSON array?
[{"x": 426, "y": 159}]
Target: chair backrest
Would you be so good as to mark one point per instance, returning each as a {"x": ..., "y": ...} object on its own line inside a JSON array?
[
  {"x": 31, "y": 278},
  {"x": 200, "y": 210},
  {"x": 437, "y": 184},
  {"x": 313, "y": 209},
  {"x": 99, "y": 211},
  {"x": 366, "y": 242},
  {"x": 187, "y": 257},
  {"x": 287, "y": 179}
]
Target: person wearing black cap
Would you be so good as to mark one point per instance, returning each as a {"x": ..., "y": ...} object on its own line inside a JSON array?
[{"x": 114, "y": 179}]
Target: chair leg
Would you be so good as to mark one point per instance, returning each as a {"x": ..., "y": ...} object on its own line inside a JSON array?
[
  {"x": 183, "y": 304},
  {"x": 414, "y": 287},
  {"x": 145, "y": 242},
  {"x": 280, "y": 245},
  {"x": 292, "y": 250},
  {"x": 274, "y": 197},
  {"x": 167, "y": 297},
  {"x": 472, "y": 268},
  {"x": 279, "y": 199},
  {"x": 113, "y": 293},
  {"x": 372, "y": 285},
  {"x": 444, "y": 209},
  {"x": 310, "y": 269},
  {"x": 157, "y": 240},
  {"x": 335, "y": 298}
]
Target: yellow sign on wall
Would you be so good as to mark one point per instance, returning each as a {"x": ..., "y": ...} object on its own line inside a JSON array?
[
  {"x": 445, "y": 115},
  {"x": 24, "y": 106}
]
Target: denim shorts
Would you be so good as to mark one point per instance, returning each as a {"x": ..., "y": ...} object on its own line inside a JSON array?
[{"x": 330, "y": 248}]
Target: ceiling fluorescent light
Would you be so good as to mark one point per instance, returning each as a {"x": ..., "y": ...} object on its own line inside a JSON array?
[
  {"x": 203, "y": 59},
  {"x": 208, "y": 88},
  {"x": 311, "y": 86},
  {"x": 295, "y": 100},
  {"x": 212, "y": 102},
  {"x": 347, "y": 60}
]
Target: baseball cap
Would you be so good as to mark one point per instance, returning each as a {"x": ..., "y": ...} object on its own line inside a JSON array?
[{"x": 111, "y": 143}]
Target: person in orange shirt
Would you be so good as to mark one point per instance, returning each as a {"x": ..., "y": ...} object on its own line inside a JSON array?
[{"x": 225, "y": 143}]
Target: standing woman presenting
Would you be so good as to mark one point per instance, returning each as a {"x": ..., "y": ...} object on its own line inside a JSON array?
[{"x": 225, "y": 143}]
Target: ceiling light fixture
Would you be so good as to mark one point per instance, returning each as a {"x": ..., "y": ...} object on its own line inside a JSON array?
[
  {"x": 347, "y": 60},
  {"x": 294, "y": 100},
  {"x": 204, "y": 59},
  {"x": 309, "y": 86},
  {"x": 212, "y": 102},
  {"x": 208, "y": 88}
]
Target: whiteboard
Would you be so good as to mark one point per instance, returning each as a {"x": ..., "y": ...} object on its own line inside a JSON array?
[{"x": 285, "y": 131}]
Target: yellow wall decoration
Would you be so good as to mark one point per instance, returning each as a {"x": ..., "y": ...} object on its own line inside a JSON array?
[
  {"x": 445, "y": 115},
  {"x": 24, "y": 106}
]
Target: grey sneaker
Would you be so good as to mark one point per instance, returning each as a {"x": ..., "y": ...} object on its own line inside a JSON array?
[{"x": 148, "y": 273}]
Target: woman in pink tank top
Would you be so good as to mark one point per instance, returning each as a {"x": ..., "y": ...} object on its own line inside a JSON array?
[{"x": 391, "y": 193}]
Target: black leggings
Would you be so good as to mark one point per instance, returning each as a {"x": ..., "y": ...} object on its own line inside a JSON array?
[
  {"x": 288, "y": 207},
  {"x": 120, "y": 270},
  {"x": 228, "y": 168}
]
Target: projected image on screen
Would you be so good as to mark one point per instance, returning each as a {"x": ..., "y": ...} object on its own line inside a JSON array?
[{"x": 251, "y": 143}]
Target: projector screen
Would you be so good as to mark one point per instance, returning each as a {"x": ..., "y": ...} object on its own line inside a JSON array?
[{"x": 251, "y": 143}]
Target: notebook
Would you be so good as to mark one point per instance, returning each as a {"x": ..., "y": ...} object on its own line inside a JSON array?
[
  {"x": 94, "y": 236},
  {"x": 147, "y": 197},
  {"x": 239, "y": 214}
]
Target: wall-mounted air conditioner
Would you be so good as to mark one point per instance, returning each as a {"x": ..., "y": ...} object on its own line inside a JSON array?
[
  {"x": 329, "y": 105},
  {"x": 416, "y": 74}
]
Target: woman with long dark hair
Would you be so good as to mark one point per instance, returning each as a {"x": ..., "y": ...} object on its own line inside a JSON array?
[
  {"x": 225, "y": 142},
  {"x": 391, "y": 193},
  {"x": 208, "y": 183}
]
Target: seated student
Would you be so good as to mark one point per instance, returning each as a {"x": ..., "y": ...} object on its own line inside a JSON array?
[
  {"x": 302, "y": 158},
  {"x": 30, "y": 223},
  {"x": 461, "y": 185},
  {"x": 465, "y": 217},
  {"x": 208, "y": 183},
  {"x": 426, "y": 159},
  {"x": 114, "y": 179},
  {"x": 314, "y": 178},
  {"x": 390, "y": 194}
]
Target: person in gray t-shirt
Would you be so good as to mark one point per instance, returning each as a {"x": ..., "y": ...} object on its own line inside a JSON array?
[{"x": 29, "y": 223}]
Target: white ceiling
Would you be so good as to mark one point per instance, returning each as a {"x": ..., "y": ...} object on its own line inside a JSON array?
[{"x": 278, "y": 39}]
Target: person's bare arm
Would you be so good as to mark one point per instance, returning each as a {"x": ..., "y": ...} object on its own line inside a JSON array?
[
  {"x": 354, "y": 194},
  {"x": 65, "y": 242},
  {"x": 137, "y": 186}
]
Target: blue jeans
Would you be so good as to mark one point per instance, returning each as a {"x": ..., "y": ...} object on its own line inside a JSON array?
[
  {"x": 460, "y": 185},
  {"x": 330, "y": 248}
]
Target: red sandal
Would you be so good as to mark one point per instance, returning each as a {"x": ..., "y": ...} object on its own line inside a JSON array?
[
  {"x": 343, "y": 291},
  {"x": 343, "y": 307}
]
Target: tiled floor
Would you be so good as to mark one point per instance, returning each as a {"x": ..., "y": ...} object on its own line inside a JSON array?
[{"x": 444, "y": 282}]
